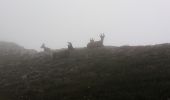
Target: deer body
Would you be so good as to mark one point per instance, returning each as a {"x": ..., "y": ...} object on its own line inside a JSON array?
[{"x": 90, "y": 44}]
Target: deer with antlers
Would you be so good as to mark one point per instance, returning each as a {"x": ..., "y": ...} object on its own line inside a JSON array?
[{"x": 95, "y": 44}]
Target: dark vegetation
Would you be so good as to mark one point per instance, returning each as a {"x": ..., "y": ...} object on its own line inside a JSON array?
[{"x": 106, "y": 73}]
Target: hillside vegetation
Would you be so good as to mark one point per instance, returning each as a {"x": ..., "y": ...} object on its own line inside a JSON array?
[{"x": 107, "y": 73}]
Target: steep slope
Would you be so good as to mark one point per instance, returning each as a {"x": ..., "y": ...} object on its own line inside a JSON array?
[
  {"x": 11, "y": 52},
  {"x": 108, "y": 73}
]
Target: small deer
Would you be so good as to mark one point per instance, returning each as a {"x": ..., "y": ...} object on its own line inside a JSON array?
[
  {"x": 64, "y": 53},
  {"x": 46, "y": 49}
]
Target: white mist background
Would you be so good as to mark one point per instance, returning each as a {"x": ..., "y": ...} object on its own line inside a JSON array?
[{"x": 55, "y": 22}]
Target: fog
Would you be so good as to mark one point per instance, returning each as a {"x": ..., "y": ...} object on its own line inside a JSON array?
[{"x": 55, "y": 22}]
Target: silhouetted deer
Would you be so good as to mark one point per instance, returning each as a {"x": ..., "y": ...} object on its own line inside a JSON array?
[
  {"x": 70, "y": 46},
  {"x": 91, "y": 43},
  {"x": 95, "y": 44},
  {"x": 63, "y": 53},
  {"x": 47, "y": 50}
]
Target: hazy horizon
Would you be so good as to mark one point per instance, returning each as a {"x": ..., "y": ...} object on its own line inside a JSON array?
[{"x": 55, "y": 22}]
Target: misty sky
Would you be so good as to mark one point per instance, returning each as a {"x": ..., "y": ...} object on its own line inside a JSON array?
[{"x": 55, "y": 22}]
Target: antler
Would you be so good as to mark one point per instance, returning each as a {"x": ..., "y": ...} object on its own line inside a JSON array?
[{"x": 102, "y": 35}]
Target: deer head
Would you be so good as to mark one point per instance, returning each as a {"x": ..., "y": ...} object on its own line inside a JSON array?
[
  {"x": 102, "y": 36},
  {"x": 68, "y": 43}
]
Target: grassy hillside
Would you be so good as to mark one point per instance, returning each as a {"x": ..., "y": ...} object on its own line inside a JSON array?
[{"x": 108, "y": 73}]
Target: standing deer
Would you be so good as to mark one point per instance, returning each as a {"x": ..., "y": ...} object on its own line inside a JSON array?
[
  {"x": 70, "y": 46},
  {"x": 47, "y": 50},
  {"x": 100, "y": 43},
  {"x": 64, "y": 53},
  {"x": 95, "y": 44}
]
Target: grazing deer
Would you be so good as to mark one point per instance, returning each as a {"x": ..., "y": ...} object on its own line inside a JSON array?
[{"x": 95, "y": 44}]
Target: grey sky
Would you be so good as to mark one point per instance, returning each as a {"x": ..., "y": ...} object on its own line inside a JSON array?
[{"x": 54, "y": 22}]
